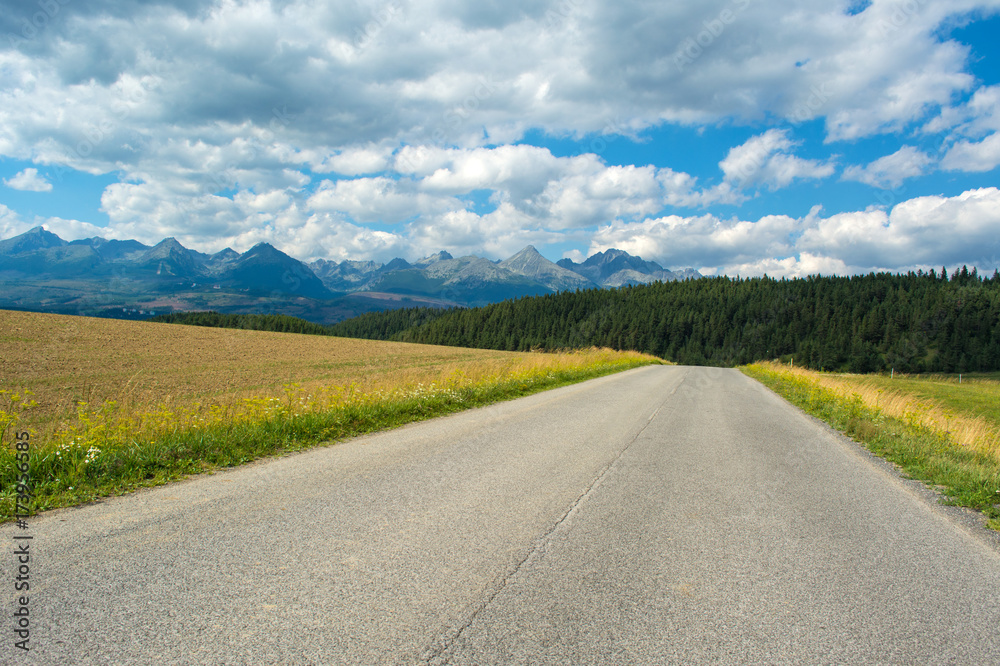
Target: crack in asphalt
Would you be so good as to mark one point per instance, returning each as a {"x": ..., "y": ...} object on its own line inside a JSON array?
[{"x": 436, "y": 654}]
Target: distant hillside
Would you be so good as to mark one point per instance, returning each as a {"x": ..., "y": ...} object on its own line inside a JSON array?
[
  {"x": 95, "y": 276},
  {"x": 918, "y": 322}
]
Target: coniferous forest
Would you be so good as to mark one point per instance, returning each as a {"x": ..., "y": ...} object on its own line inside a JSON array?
[
  {"x": 250, "y": 322},
  {"x": 914, "y": 322}
]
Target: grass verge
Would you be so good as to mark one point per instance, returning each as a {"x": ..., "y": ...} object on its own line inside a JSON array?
[
  {"x": 973, "y": 397},
  {"x": 968, "y": 476},
  {"x": 110, "y": 451}
]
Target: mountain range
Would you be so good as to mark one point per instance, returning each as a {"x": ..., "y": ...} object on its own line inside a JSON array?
[{"x": 125, "y": 278}]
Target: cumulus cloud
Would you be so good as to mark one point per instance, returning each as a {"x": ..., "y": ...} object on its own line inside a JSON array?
[
  {"x": 975, "y": 118},
  {"x": 560, "y": 192},
  {"x": 378, "y": 200},
  {"x": 765, "y": 160},
  {"x": 973, "y": 155},
  {"x": 702, "y": 241},
  {"x": 306, "y": 124},
  {"x": 354, "y": 160},
  {"x": 28, "y": 180},
  {"x": 11, "y": 223},
  {"x": 498, "y": 234},
  {"x": 974, "y": 132},
  {"x": 423, "y": 72},
  {"x": 520, "y": 169},
  {"x": 71, "y": 229},
  {"x": 890, "y": 171},
  {"x": 149, "y": 212},
  {"x": 327, "y": 236},
  {"x": 799, "y": 266},
  {"x": 680, "y": 190},
  {"x": 920, "y": 232}
]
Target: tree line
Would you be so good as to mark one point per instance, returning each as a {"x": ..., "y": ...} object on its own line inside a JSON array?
[
  {"x": 913, "y": 322},
  {"x": 250, "y": 322}
]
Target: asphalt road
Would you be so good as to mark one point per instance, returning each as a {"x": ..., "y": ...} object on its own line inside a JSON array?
[{"x": 664, "y": 515}]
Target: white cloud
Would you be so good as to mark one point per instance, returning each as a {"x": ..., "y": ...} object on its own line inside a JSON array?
[
  {"x": 975, "y": 118},
  {"x": 533, "y": 193},
  {"x": 348, "y": 83},
  {"x": 216, "y": 114},
  {"x": 679, "y": 190},
  {"x": 764, "y": 160},
  {"x": 378, "y": 199},
  {"x": 891, "y": 170},
  {"x": 700, "y": 241},
  {"x": 28, "y": 181},
  {"x": 557, "y": 192},
  {"x": 560, "y": 192},
  {"x": 974, "y": 141},
  {"x": 800, "y": 266},
  {"x": 71, "y": 229},
  {"x": 355, "y": 161},
  {"x": 495, "y": 235},
  {"x": 927, "y": 231},
  {"x": 11, "y": 223},
  {"x": 586, "y": 199},
  {"x": 973, "y": 155},
  {"x": 923, "y": 231},
  {"x": 149, "y": 212},
  {"x": 326, "y": 236},
  {"x": 523, "y": 170}
]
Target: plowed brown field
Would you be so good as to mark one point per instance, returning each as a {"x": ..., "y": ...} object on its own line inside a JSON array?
[{"x": 64, "y": 360}]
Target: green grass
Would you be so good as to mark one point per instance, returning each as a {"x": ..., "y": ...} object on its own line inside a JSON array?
[
  {"x": 66, "y": 476},
  {"x": 977, "y": 395},
  {"x": 966, "y": 477}
]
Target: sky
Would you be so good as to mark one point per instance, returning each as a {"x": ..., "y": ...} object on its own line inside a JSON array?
[{"x": 736, "y": 137}]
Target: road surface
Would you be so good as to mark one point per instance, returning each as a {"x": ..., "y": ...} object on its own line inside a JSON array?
[{"x": 663, "y": 515}]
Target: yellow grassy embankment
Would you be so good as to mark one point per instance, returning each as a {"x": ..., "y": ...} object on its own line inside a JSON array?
[{"x": 966, "y": 430}]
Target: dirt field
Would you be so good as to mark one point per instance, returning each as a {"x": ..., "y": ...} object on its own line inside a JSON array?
[{"x": 65, "y": 359}]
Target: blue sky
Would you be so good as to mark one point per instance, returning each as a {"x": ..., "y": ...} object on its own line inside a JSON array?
[{"x": 731, "y": 136}]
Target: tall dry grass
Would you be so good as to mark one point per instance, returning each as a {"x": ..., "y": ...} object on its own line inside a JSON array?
[{"x": 969, "y": 431}]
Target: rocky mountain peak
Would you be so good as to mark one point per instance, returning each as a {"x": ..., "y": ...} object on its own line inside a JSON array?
[{"x": 36, "y": 238}]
